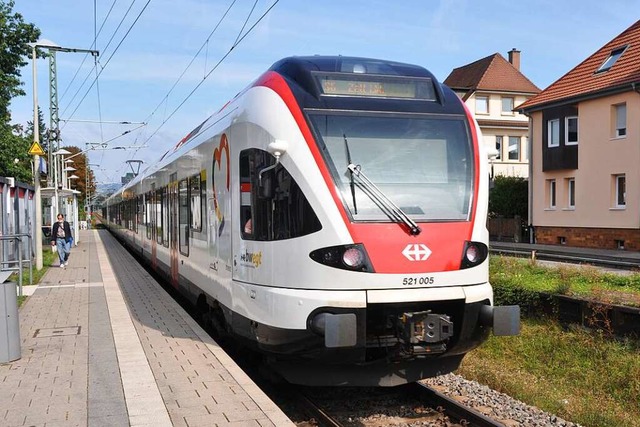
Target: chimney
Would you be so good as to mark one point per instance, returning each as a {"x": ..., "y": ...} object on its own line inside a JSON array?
[{"x": 514, "y": 58}]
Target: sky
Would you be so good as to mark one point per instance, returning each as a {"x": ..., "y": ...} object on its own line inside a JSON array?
[{"x": 142, "y": 74}]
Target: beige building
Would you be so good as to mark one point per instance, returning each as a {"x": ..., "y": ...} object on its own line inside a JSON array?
[
  {"x": 585, "y": 186},
  {"x": 491, "y": 88}
]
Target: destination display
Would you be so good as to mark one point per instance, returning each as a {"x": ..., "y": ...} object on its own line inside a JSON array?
[{"x": 375, "y": 86}]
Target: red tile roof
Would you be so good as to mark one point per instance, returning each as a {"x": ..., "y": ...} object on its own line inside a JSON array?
[
  {"x": 583, "y": 79},
  {"x": 490, "y": 73}
]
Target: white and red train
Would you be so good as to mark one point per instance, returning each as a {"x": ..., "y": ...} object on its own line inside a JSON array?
[{"x": 333, "y": 216}]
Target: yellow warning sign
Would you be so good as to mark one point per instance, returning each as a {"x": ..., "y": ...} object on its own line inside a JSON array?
[{"x": 36, "y": 149}]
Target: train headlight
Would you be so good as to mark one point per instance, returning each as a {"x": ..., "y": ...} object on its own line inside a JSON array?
[
  {"x": 346, "y": 257},
  {"x": 353, "y": 258},
  {"x": 474, "y": 253}
]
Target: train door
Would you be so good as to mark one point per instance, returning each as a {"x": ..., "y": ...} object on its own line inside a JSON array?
[{"x": 173, "y": 228}]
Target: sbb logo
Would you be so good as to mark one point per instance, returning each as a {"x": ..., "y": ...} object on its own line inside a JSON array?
[{"x": 416, "y": 252}]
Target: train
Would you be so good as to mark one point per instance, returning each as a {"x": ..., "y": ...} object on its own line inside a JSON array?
[{"x": 331, "y": 216}]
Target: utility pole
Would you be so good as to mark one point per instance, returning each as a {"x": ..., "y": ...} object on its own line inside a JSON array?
[
  {"x": 54, "y": 126},
  {"x": 36, "y": 167},
  {"x": 53, "y": 80}
]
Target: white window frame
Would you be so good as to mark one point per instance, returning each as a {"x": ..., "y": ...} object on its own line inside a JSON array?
[
  {"x": 499, "y": 146},
  {"x": 617, "y": 201},
  {"x": 486, "y": 104},
  {"x": 571, "y": 193},
  {"x": 551, "y": 183},
  {"x": 620, "y": 122},
  {"x": 550, "y": 143},
  {"x": 508, "y": 112},
  {"x": 611, "y": 59},
  {"x": 566, "y": 130},
  {"x": 518, "y": 148}
]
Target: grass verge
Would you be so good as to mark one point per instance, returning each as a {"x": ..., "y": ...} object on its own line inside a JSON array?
[
  {"x": 517, "y": 278},
  {"x": 581, "y": 376}
]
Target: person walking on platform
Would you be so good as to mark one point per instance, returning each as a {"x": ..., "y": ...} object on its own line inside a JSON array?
[{"x": 62, "y": 239}]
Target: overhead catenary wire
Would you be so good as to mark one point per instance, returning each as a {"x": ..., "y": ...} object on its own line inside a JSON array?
[
  {"x": 235, "y": 44},
  {"x": 103, "y": 66},
  {"x": 206, "y": 42},
  {"x": 93, "y": 45}
]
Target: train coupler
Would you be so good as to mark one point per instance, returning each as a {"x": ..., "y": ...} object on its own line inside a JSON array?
[{"x": 424, "y": 328}]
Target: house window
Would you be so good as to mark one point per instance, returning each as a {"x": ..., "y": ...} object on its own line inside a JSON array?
[
  {"x": 507, "y": 105},
  {"x": 571, "y": 130},
  {"x": 620, "y": 191},
  {"x": 514, "y": 148},
  {"x": 620, "y": 113},
  {"x": 499, "y": 147},
  {"x": 482, "y": 105},
  {"x": 571, "y": 193},
  {"x": 613, "y": 57},
  {"x": 551, "y": 193},
  {"x": 553, "y": 130}
]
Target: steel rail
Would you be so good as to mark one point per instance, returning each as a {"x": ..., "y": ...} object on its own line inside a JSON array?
[
  {"x": 570, "y": 258},
  {"x": 456, "y": 410},
  {"x": 313, "y": 410}
]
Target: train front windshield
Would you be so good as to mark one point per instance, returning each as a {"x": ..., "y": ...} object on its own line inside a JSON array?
[{"x": 422, "y": 164}]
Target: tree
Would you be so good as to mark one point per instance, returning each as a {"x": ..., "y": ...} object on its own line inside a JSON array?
[
  {"x": 15, "y": 160},
  {"x": 509, "y": 197},
  {"x": 81, "y": 170},
  {"x": 15, "y": 36},
  {"x": 43, "y": 132}
]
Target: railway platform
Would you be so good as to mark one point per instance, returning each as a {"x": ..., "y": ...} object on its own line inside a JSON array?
[{"x": 102, "y": 344}]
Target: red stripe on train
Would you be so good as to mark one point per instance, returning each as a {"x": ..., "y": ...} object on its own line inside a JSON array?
[{"x": 390, "y": 247}]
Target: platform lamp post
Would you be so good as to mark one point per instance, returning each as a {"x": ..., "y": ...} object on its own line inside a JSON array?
[{"x": 36, "y": 162}]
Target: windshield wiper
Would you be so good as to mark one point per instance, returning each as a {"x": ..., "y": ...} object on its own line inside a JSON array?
[
  {"x": 379, "y": 197},
  {"x": 352, "y": 184}
]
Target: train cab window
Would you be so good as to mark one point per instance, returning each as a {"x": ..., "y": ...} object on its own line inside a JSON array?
[
  {"x": 272, "y": 205},
  {"x": 183, "y": 216},
  {"x": 423, "y": 164},
  {"x": 195, "y": 203},
  {"x": 159, "y": 217}
]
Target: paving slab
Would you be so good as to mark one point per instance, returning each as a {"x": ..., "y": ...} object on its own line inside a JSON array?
[{"x": 104, "y": 345}]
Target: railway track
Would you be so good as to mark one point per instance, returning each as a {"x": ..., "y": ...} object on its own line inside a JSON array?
[
  {"x": 428, "y": 404},
  {"x": 610, "y": 259},
  {"x": 455, "y": 410}
]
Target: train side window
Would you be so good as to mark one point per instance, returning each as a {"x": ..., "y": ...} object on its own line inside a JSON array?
[
  {"x": 272, "y": 205},
  {"x": 129, "y": 212},
  {"x": 153, "y": 212},
  {"x": 147, "y": 214},
  {"x": 203, "y": 199},
  {"x": 195, "y": 203},
  {"x": 139, "y": 212},
  {"x": 165, "y": 216},
  {"x": 183, "y": 216},
  {"x": 159, "y": 216}
]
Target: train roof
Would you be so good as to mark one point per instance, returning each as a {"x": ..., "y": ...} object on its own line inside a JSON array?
[
  {"x": 301, "y": 74},
  {"x": 310, "y": 76},
  {"x": 348, "y": 64}
]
